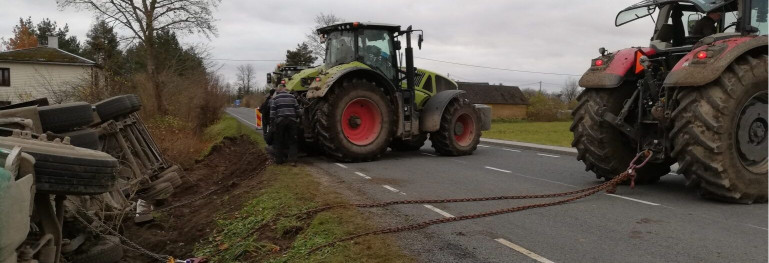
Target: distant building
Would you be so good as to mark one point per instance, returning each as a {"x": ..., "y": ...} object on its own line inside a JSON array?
[
  {"x": 44, "y": 71},
  {"x": 507, "y": 102}
]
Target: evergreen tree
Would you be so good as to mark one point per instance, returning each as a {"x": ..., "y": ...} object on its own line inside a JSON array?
[
  {"x": 301, "y": 56},
  {"x": 46, "y": 28}
]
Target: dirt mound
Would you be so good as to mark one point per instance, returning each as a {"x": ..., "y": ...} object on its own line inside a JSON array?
[{"x": 232, "y": 165}]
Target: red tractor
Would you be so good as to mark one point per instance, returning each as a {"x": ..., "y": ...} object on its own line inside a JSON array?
[{"x": 698, "y": 100}]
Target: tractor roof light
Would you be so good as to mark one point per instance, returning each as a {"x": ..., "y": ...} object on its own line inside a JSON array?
[
  {"x": 598, "y": 62},
  {"x": 702, "y": 54},
  {"x": 355, "y": 24}
]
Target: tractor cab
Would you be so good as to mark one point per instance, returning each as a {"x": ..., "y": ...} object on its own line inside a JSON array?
[
  {"x": 372, "y": 44},
  {"x": 675, "y": 20}
]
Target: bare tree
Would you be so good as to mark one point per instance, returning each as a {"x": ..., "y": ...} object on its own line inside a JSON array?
[
  {"x": 245, "y": 78},
  {"x": 570, "y": 90},
  {"x": 145, "y": 18},
  {"x": 321, "y": 20}
]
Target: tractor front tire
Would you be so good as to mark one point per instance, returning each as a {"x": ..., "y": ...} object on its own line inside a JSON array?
[
  {"x": 720, "y": 133},
  {"x": 602, "y": 147},
  {"x": 356, "y": 121},
  {"x": 460, "y": 130}
]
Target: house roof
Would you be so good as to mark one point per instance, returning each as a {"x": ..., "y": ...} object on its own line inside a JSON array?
[
  {"x": 493, "y": 94},
  {"x": 43, "y": 55}
]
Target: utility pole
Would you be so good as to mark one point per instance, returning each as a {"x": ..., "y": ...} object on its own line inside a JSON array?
[{"x": 540, "y": 87}]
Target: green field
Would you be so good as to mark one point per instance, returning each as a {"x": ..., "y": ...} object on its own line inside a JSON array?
[{"x": 548, "y": 133}]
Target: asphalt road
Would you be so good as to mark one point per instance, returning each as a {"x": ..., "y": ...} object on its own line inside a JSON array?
[{"x": 665, "y": 222}]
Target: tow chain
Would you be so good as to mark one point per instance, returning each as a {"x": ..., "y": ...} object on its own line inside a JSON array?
[{"x": 609, "y": 186}]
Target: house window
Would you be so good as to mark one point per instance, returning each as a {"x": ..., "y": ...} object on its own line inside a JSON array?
[{"x": 5, "y": 77}]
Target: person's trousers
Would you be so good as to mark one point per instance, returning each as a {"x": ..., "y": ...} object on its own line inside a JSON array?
[{"x": 284, "y": 135}]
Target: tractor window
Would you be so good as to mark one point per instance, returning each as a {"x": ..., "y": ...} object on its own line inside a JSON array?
[
  {"x": 339, "y": 48},
  {"x": 758, "y": 15},
  {"x": 375, "y": 49}
]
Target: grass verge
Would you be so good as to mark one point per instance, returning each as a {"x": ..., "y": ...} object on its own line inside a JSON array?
[
  {"x": 259, "y": 233},
  {"x": 547, "y": 133}
]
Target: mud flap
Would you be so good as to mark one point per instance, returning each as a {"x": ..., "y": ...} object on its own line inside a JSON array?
[{"x": 430, "y": 118}]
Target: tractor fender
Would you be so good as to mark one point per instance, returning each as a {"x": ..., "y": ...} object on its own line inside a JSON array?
[
  {"x": 691, "y": 71},
  {"x": 318, "y": 90},
  {"x": 430, "y": 117},
  {"x": 614, "y": 70}
]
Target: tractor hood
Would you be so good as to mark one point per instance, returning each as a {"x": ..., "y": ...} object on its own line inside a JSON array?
[{"x": 302, "y": 80}]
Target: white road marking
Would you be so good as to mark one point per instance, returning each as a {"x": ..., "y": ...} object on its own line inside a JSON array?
[
  {"x": 341, "y": 165},
  {"x": 548, "y": 155},
  {"x": 485, "y": 146},
  {"x": 429, "y": 154},
  {"x": 633, "y": 199},
  {"x": 390, "y": 188},
  {"x": 435, "y": 209},
  {"x": 497, "y": 169},
  {"x": 510, "y": 150},
  {"x": 459, "y": 161},
  {"x": 236, "y": 116},
  {"x": 756, "y": 226},
  {"x": 363, "y": 175},
  {"x": 524, "y": 251}
]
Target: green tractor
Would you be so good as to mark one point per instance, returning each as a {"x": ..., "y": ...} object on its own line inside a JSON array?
[
  {"x": 362, "y": 101},
  {"x": 281, "y": 73}
]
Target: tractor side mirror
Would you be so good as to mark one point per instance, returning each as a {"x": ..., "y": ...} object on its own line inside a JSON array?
[
  {"x": 269, "y": 78},
  {"x": 322, "y": 38},
  {"x": 419, "y": 42},
  {"x": 397, "y": 44},
  {"x": 691, "y": 20}
]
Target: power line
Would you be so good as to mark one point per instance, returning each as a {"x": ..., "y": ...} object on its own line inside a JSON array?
[
  {"x": 249, "y": 60},
  {"x": 495, "y": 68}
]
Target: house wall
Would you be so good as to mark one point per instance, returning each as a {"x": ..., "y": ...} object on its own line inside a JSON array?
[
  {"x": 508, "y": 111},
  {"x": 31, "y": 81}
]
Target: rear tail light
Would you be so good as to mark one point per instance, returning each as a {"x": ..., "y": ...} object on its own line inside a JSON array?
[
  {"x": 317, "y": 79},
  {"x": 702, "y": 54},
  {"x": 283, "y": 81}
]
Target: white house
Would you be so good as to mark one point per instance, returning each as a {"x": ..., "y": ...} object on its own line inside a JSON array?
[{"x": 42, "y": 72}]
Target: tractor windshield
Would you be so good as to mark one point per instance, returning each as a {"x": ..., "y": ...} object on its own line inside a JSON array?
[
  {"x": 758, "y": 14},
  {"x": 630, "y": 15},
  {"x": 376, "y": 49},
  {"x": 339, "y": 48}
]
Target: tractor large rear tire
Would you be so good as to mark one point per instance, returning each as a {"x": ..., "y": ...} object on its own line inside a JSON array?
[
  {"x": 460, "y": 130},
  {"x": 356, "y": 121},
  {"x": 602, "y": 147},
  {"x": 720, "y": 133}
]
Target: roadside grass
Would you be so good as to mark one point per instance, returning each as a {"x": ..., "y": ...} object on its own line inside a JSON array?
[
  {"x": 228, "y": 126},
  {"x": 261, "y": 232},
  {"x": 547, "y": 133}
]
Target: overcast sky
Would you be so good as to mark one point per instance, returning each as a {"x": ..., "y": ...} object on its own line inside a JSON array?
[{"x": 559, "y": 36}]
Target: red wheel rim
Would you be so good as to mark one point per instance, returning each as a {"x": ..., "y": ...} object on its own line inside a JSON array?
[
  {"x": 464, "y": 129},
  {"x": 361, "y": 121}
]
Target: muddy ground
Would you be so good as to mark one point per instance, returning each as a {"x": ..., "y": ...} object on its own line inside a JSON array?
[{"x": 233, "y": 165}]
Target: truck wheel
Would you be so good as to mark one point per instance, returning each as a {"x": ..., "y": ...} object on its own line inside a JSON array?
[
  {"x": 460, "y": 130},
  {"x": 413, "y": 144},
  {"x": 604, "y": 149},
  {"x": 65, "y": 169},
  {"x": 356, "y": 122},
  {"x": 720, "y": 132},
  {"x": 65, "y": 117},
  {"x": 117, "y": 106}
]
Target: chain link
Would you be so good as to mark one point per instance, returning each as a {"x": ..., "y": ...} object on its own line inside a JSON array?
[{"x": 609, "y": 186}]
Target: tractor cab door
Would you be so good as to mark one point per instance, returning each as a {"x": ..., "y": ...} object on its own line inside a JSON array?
[{"x": 375, "y": 48}]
